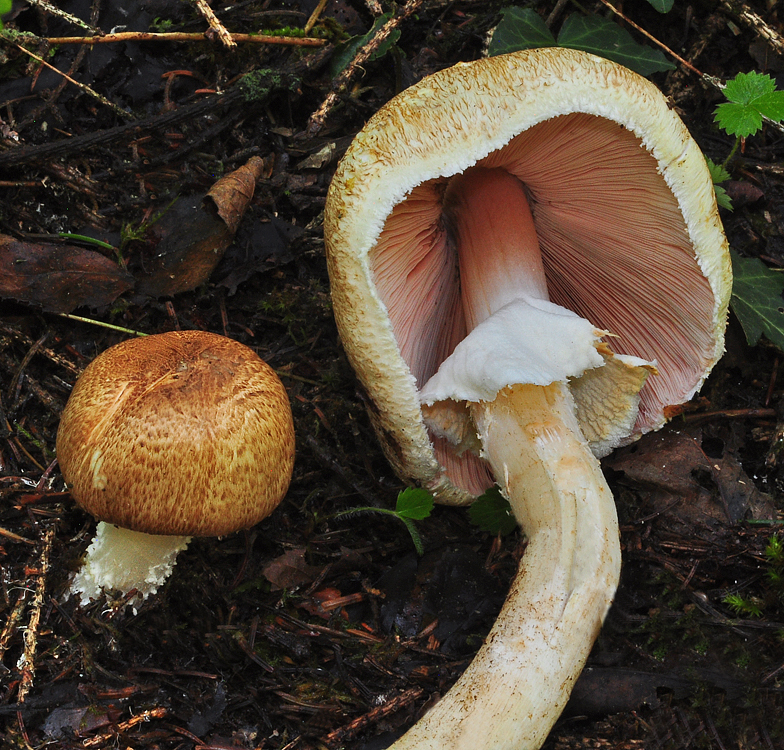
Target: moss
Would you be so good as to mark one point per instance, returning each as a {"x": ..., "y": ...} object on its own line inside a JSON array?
[{"x": 259, "y": 84}]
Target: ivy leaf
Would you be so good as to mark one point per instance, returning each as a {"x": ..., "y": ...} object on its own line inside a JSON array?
[
  {"x": 414, "y": 502},
  {"x": 519, "y": 28},
  {"x": 605, "y": 38},
  {"x": 522, "y": 28},
  {"x": 757, "y": 299},
  {"x": 345, "y": 51},
  {"x": 750, "y": 97},
  {"x": 492, "y": 513},
  {"x": 663, "y": 6}
]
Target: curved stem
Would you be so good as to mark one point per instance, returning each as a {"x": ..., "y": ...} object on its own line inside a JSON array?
[{"x": 516, "y": 687}]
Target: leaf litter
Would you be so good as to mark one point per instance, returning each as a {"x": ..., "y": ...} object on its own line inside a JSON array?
[{"x": 312, "y": 631}]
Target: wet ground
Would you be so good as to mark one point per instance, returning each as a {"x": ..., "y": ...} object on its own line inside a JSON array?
[{"x": 312, "y": 631}]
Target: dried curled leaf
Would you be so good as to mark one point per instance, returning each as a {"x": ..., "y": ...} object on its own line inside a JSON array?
[{"x": 195, "y": 233}]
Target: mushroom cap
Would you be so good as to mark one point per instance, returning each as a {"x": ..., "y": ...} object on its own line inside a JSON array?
[
  {"x": 181, "y": 433},
  {"x": 625, "y": 215}
]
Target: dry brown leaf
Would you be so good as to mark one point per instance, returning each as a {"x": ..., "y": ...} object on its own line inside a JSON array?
[
  {"x": 290, "y": 570},
  {"x": 59, "y": 278},
  {"x": 195, "y": 233}
]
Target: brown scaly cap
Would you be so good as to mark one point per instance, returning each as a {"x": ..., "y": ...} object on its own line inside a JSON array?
[{"x": 181, "y": 433}]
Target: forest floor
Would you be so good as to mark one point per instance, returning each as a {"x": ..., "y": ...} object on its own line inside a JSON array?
[{"x": 311, "y": 631}]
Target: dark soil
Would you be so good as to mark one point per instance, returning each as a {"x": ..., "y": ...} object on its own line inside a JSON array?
[{"x": 310, "y": 631}]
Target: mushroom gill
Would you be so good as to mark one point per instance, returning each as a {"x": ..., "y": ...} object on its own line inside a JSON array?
[{"x": 614, "y": 246}]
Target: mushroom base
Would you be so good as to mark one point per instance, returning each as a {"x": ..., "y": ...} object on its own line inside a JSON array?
[{"x": 126, "y": 561}]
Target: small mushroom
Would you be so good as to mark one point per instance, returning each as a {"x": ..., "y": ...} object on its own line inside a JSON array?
[
  {"x": 167, "y": 437},
  {"x": 527, "y": 269}
]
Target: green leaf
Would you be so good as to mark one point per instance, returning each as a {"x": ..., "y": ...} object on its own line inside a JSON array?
[
  {"x": 775, "y": 550},
  {"x": 663, "y": 6},
  {"x": 722, "y": 199},
  {"x": 491, "y": 513},
  {"x": 414, "y": 502},
  {"x": 738, "y": 119},
  {"x": 519, "y": 28},
  {"x": 717, "y": 171},
  {"x": 415, "y": 537},
  {"x": 345, "y": 51},
  {"x": 746, "y": 87},
  {"x": 719, "y": 174},
  {"x": 750, "y": 97},
  {"x": 605, "y": 38},
  {"x": 757, "y": 299}
]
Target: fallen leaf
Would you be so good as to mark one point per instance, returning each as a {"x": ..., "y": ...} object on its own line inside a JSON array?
[
  {"x": 195, "y": 232},
  {"x": 290, "y": 570},
  {"x": 59, "y": 278}
]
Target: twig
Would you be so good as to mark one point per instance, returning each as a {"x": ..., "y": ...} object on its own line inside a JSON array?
[
  {"x": 555, "y": 12},
  {"x": 314, "y": 16},
  {"x": 350, "y": 730},
  {"x": 340, "y": 85},
  {"x": 216, "y": 26},
  {"x": 49, "y": 8},
  {"x": 710, "y": 80},
  {"x": 12, "y": 623},
  {"x": 115, "y": 108},
  {"x": 759, "y": 26},
  {"x": 31, "y": 633},
  {"x": 124, "y": 726},
  {"x": 181, "y": 36},
  {"x": 642, "y": 31},
  {"x": 255, "y": 86}
]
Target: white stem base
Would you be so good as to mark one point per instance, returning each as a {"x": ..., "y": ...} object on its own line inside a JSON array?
[
  {"x": 516, "y": 687},
  {"x": 126, "y": 561}
]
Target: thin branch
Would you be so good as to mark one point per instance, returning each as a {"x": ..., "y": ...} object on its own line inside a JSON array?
[
  {"x": 181, "y": 36},
  {"x": 49, "y": 8},
  {"x": 751, "y": 19},
  {"x": 341, "y": 83},
  {"x": 215, "y": 25},
  {"x": 642, "y": 31},
  {"x": 114, "y": 107},
  {"x": 314, "y": 16}
]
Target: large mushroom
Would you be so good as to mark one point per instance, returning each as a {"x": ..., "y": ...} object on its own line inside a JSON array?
[
  {"x": 528, "y": 268},
  {"x": 167, "y": 437}
]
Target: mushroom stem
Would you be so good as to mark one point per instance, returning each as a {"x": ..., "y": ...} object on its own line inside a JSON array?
[
  {"x": 517, "y": 685},
  {"x": 126, "y": 560}
]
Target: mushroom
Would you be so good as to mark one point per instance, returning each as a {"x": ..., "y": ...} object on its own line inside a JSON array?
[
  {"x": 167, "y": 437},
  {"x": 528, "y": 268}
]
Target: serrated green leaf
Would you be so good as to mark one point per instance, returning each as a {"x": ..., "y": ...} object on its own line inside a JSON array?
[
  {"x": 771, "y": 105},
  {"x": 663, "y": 6},
  {"x": 717, "y": 172},
  {"x": 738, "y": 119},
  {"x": 757, "y": 299},
  {"x": 491, "y": 513},
  {"x": 746, "y": 87},
  {"x": 414, "y": 502},
  {"x": 750, "y": 96},
  {"x": 722, "y": 199},
  {"x": 605, "y": 38},
  {"x": 519, "y": 28}
]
